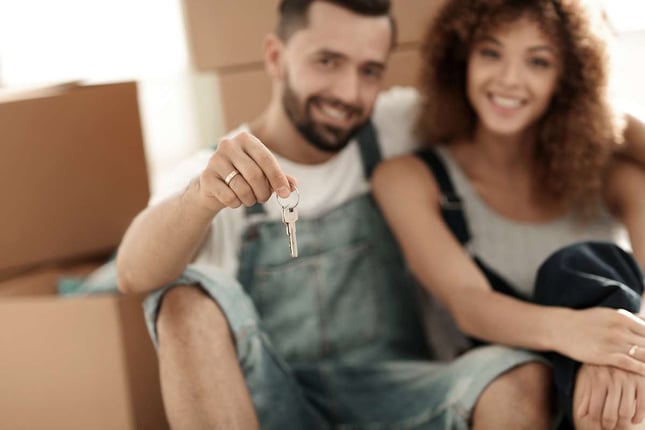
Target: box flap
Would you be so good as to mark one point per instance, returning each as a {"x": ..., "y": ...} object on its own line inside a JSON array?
[{"x": 72, "y": 173}]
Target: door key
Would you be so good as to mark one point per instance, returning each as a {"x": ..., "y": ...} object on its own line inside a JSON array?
[{"x": 289, "y": 218}]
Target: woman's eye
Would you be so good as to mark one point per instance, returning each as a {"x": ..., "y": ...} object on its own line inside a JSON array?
[
  {"x": 489, "y": 53},
  {"x": 326, "y": 61},
  {"x": 540, "y": 63}
]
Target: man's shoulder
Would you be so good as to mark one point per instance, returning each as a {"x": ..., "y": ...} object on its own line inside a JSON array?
[
  {"x": 394, "y": 118},
  {"x": 397, "y": 97}
]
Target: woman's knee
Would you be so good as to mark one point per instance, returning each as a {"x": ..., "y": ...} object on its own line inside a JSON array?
[{"x": 526, "y": 389}]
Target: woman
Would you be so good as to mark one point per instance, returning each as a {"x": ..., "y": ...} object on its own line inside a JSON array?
[{"x": 519, "y": 136}]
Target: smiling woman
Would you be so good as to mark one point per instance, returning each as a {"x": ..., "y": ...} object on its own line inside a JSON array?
[{"x": 509, "y": 216}]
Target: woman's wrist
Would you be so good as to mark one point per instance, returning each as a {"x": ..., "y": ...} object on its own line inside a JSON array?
[{"x": 556, "y": 331}]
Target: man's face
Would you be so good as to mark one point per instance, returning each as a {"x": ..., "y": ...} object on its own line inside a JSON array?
[{"x": 333, "y": 72}]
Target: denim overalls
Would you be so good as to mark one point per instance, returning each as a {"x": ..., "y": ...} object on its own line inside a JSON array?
[{"x": 333, "y": 338}]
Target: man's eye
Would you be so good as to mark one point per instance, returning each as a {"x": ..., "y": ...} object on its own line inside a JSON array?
[
  {"x": 373, "y": 72},
  {"x": 326, "y": 61}
]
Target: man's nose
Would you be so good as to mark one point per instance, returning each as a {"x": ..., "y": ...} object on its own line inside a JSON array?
[{"x": 348, "y": 87}]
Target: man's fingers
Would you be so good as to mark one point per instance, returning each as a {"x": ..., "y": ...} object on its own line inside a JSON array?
[
  {"x": 268, "y": 164},
  {"x": 254, "y": 177},
  {"x": 293, "y": 183},
  {"x": 213, "y": 186}
]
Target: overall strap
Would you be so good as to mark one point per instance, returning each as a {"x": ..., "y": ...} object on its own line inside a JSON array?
[
  {"x": 453, "y": 214},
  {"x": 451, "y": 203},
  {"x": 370, "y": 150}
]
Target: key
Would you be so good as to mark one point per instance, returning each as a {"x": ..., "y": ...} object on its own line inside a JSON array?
[{"x": 289, "y": 218}]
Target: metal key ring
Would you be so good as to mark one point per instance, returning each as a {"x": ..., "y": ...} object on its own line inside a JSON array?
[{"x": 287, "y": 206}]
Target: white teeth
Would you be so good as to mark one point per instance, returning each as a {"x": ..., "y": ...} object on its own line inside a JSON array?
[
  {"x": 334, "y": 113},
  {"x": 506, "y": 102}
]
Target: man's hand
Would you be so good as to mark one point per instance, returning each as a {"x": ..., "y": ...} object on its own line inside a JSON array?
[{"x": 259, "y": 174}]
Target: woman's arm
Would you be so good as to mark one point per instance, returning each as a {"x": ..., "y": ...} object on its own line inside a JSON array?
[
  {"x": 634, "y": 146},
  {"x": 409, "y": 198},
  {"x": 625, "y": 197}
]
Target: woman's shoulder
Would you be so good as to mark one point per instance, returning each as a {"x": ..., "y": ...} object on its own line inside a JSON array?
[
  {"x": 405, "y": 174},
  {"x": 623, "y": 185}
]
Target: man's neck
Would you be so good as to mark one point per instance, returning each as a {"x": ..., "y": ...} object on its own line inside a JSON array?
[{"x": 276, "y": 131}]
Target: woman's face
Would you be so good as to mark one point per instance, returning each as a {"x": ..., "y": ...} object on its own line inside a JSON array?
[{"x": 512, "y": 75}]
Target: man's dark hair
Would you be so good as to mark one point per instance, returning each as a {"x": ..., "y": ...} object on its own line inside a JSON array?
[{"x": 294, "y": 13}]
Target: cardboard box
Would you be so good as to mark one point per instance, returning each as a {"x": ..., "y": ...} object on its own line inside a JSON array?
[
  {"x": 72, "y": 177},
  {"x": 245, "y": 93},
  {"x": 74, "y": 363},
  {"x": 229, "y": 33},
  {"x": 72, "y": 173}
]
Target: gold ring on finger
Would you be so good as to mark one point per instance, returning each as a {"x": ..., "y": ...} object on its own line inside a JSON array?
[{"x": 230, "y": 177}]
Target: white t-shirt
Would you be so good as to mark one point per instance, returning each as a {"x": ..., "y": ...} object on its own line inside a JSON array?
[{"x": 322, "y": 187}]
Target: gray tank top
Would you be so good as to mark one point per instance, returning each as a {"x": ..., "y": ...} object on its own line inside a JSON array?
[{"x": 516, "y": 249}]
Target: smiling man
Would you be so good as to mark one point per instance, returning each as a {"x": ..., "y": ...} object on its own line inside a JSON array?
[{"x": 248, "y": 336}]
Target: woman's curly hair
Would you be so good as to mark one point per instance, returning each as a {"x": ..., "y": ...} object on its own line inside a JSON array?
[{"x": 578, "y": 130}]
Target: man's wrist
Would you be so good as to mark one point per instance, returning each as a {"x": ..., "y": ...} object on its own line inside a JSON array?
[{"x": 200, "y": 205}]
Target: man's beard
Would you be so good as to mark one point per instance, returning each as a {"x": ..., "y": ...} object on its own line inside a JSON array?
[{"x": 324, "y": 137}]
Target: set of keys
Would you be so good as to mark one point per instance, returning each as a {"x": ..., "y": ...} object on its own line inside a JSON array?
[{"x": 289, "y": 218}]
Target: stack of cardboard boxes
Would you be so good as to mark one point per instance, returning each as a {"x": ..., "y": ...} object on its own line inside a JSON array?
[
  {"x": 226, "y": 37},
  {"x": 72, "y": 177}
]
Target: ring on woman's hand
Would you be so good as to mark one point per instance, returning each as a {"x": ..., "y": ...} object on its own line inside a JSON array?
[
  {"x": 230, "y": 177},
  {"x": 632, "y": 350}
]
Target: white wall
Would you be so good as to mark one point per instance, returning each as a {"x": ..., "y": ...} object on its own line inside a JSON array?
[
  {"x": 629, "y": 71},
  {"x": 45, "y": 41}
]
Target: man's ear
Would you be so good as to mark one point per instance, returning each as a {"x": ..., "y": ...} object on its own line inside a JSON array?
[{"x": 273, "y": 56}]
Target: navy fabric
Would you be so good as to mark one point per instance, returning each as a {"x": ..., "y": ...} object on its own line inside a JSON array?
[{"x": 582, "y": 276}]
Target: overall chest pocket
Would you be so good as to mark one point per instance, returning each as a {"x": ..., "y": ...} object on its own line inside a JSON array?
[{"x": 321, "y": 306}]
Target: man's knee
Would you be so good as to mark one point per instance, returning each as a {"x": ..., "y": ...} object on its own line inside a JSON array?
[
  {"x": 188, "y": 314},
  {"x": 526, "y": 390}
]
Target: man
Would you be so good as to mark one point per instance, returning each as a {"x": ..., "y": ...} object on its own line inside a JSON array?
[{"x": 248, "y": 336}]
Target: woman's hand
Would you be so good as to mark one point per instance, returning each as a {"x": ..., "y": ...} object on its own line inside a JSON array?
[
  {"x": 604, "y": 336},
  {"x": 607, "y": 398}
]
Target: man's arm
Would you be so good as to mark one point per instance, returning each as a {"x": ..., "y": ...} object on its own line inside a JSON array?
[{"x": 164, "y": 238}]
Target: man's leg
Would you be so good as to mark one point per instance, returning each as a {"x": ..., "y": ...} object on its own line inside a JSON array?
[
  {"x": 202, "y": 384},
  {"x": 522, "y": 398},
  {"x": 211, "y": 348}
]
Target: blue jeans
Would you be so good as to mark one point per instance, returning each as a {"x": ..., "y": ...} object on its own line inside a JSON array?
[
  {"x": 333, "y": 339},
  {"x": 392, "y": 394}
]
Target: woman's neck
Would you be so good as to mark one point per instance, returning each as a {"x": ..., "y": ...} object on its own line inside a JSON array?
[{"x": 504, "y": 152}]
